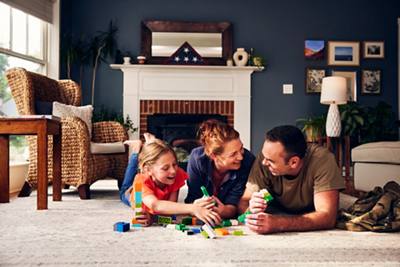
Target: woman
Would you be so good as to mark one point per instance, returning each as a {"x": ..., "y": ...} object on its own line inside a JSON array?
[{"x": 222, "y": 165}]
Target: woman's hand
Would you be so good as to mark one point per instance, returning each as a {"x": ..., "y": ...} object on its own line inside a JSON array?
[
  {"x": 145, "y": 219},
  {"x": 205, "y": 202},
  {"x": 218, "y": 205},
  {"x": 208, "y": 216},
  {"x": 257, "y": 203}
]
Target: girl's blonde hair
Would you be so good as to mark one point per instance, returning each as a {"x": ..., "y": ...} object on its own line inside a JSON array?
[
  {"x": 213, "y": 134},
  {"x": 151, "y": 152}
]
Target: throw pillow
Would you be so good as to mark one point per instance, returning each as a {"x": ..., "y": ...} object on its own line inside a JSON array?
[
  {"x": 43, "y": 107},
  {"x": 85, "y": 113}
]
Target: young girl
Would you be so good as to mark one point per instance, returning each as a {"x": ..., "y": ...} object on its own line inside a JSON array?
[{"x": 161, "y": 179}]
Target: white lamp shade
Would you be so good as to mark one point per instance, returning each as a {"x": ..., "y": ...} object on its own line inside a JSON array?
[{"x": 334, "y": 90}]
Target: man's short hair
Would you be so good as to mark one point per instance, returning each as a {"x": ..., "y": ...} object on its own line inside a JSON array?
[{"x": 291, "y": 138}]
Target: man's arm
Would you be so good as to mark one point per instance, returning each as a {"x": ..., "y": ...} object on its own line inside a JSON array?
[
  {"x": 244, "y": 200},
  {"x": 324, "y": 217}
]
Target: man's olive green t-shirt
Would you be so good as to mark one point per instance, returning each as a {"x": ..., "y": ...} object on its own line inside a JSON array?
[{"x": 319, "y": 172}]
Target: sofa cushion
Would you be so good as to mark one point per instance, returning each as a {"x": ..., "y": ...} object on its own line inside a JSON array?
[
  {"x": 85, "y": 113},
  {"x": 107, "y": 148},
  {"x": 378, "y": 152}
]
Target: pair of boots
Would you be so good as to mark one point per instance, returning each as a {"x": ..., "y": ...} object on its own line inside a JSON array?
[{"x": 378, "y": 211}]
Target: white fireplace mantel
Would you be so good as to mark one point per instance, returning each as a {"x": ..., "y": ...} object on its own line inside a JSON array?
[{"x": 178, "y": 82}]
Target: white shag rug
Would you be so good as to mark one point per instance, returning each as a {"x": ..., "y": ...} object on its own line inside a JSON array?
[{"x": 80, "y": 233}]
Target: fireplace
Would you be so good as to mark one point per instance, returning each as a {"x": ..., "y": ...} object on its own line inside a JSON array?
[
  {"x": 179, "y": 130},
  {"x": 166, "y": 89}
]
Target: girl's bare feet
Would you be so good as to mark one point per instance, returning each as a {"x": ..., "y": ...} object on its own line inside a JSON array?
[{"x": 134, "y": 145}]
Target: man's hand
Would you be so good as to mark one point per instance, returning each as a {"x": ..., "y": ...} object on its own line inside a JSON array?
[
  {"x": 261, "y": 223},
  {"x": 257, "y": 203}
]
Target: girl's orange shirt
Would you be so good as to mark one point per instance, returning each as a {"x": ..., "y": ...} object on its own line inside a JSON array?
[{"x": 150, "y": 188}]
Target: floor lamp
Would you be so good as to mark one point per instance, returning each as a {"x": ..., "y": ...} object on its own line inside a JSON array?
[{"x": 333, "y": 93}]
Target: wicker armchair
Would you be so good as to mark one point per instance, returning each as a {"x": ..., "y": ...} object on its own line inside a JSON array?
[{"x": 79, "y": 167}]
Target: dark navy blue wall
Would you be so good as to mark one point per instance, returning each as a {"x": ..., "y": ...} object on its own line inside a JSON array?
[{"x": 275, "y": 29}]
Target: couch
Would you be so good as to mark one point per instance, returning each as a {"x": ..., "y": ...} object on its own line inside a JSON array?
[{"x": 375, "y": 164}]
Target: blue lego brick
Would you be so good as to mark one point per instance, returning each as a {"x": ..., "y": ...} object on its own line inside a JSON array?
[
  {"x": 138, "y": 197},
  {"x": 121, "y": 227}
]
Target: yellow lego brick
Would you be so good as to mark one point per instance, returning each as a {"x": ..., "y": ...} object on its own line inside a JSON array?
[{"x": 221, "y": 231}]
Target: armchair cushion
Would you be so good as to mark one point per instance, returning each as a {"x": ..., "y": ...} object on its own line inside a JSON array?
[
  {"x": 85, "y": 113},
  {"x": 107, "y": 148}
]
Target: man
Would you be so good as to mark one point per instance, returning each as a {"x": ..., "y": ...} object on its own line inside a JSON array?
[{"x": 303, "y": 179}]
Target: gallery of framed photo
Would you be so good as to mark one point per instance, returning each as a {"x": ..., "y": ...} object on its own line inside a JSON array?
[
  {"x": 373, "y": 49},
  {"x": 314, "y": 49},
  {"x": 314, "y": 78},
  {"x": 343, "y": 53},
  {"x": 371, "y": 82},
  {"x": 351, "y": 78}
]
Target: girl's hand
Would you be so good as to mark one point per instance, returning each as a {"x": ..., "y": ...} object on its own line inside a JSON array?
[
  {"x": 208, "y": 216},
  {"x": 145, "y": 219},
  {"x": 257, "y": 203},
  {"x": 205, "y": 202}
]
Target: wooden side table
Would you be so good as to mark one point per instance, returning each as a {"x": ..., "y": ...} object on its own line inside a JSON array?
[{"x": 42, "y": 126}]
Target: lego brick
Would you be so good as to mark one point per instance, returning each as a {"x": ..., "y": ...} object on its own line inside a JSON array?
[
  {"x": 137, "y": 225},
  {"x": 234, "y": 222},
  {"x": 138, "y": 197},
  {"x": 238, "y": 232},
  {"x": 204, "y": 190},
  {"x": 180, "y": 227},
  {"x": 221, "y": 231},
  {"x": 164, "y": 220},
  {"x": 204, "y": 233},
  {"x": 138, "y": 205},
  {"x": 242, "y": 217},
  {"x": 170, "y": 226},
  {"x": 196, "y": 230},
  {"x": 138, "y": 187},
  {"x": 187, "y": 221},
  {"x": 209, "y": 230},
  {"x": 267, "y": 196},
  {"x": 121, "y": 227},
  {"x": 189, "y": 232},
  {"x": 226, "y": 223}
]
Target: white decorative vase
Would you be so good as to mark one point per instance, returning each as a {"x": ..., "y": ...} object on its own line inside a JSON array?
[
  {"x": 127, "y": 60},
  {"x": 240, "y": 57}
]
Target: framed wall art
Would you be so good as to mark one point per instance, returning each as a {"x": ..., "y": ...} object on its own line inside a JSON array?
[
  {"x": 373, "y": 49},
  {"x": 314, "y": 78},
  {"x": 351, "y": 78},
  {"x": 371, "y": 82},
  {"x": 343, "y": 53},
  {"x": 314, "y": 49}
]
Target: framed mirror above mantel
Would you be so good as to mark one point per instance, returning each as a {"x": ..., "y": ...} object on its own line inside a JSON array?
[{"x": 160, "y": 39}]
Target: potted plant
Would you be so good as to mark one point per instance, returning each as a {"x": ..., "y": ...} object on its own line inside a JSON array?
[
  {"x": 103, "y": 114},
  {"x": 313, "y": 127},
  {"x": 380, "y": 124},
  {"x": 352, "y": 117}
]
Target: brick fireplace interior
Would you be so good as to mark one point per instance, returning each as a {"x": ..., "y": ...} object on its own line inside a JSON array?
[{"x": 178, "y": 120}]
